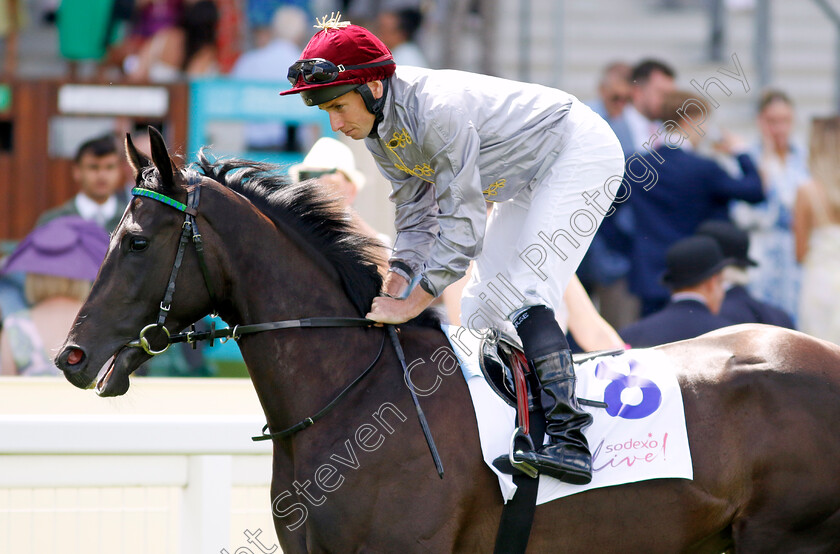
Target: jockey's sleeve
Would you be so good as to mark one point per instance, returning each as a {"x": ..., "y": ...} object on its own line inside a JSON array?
[
  {"x": 452, "y": 143},
  {"x": 415, "y": 218},
  {"x": 440, "y": 210}
]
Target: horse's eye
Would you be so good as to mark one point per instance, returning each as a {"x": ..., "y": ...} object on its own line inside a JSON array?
[{"x": 138, "y": 244}]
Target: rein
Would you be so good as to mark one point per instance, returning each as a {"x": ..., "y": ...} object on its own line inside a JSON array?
[{"x": 189, "y": 230}]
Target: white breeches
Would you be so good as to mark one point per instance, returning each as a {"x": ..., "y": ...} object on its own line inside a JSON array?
[{"x": 535, "y": 241}]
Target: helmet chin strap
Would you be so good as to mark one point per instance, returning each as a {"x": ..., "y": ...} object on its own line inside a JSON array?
[{"x": 374, "y": 105}]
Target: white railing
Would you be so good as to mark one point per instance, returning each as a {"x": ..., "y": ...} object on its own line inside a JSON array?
[{"x": 152, "y": 472}]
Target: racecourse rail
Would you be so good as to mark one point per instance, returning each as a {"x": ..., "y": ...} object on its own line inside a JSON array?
[{"x": 168, "y": 468}]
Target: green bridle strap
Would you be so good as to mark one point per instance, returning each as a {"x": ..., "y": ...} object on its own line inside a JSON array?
[{"x": 160, "y": 198}]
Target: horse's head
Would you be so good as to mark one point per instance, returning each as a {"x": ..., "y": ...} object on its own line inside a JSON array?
[{"x": 127, "y": 305}]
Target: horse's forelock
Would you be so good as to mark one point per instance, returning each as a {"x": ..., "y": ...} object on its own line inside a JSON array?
[{"x": 150, "y": 179}]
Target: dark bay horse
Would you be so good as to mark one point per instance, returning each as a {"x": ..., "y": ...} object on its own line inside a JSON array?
[{"x": 762, "y": 404}]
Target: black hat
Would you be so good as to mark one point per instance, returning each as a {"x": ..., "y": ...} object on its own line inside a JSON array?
[
  {"x": 692, "y": 260},
  {"x": 734, "y": 242}
]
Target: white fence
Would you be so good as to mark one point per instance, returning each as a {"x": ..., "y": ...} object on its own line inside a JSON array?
[{"x": 169, "y": 468}]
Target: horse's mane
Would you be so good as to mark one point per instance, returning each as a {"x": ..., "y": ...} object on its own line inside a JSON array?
[{"x": 314, "y": 215}]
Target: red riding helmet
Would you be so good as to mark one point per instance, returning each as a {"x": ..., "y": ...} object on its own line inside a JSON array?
[{"x": 338, "y": 59}]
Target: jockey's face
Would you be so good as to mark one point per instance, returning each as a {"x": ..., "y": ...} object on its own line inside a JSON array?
[{"x": 349, "y": 115}]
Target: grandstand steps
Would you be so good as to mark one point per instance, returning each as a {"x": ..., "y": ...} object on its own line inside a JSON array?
[{"x": 571, "y": 41}]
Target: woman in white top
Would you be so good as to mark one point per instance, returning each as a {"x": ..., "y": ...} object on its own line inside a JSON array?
[{"x": 817, "y": 231}]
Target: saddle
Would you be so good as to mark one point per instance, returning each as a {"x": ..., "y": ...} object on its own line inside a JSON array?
[{"x": 500, "y": 353}]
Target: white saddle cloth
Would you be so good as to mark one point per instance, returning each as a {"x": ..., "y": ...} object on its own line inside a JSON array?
[{"x": 640, "y": 435}]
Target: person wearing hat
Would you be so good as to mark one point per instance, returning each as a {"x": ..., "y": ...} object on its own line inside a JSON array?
[
  {"x": 739, "y": 306},
  {"x": 60, "y": 259},
  {"x": 448, "y": 141},
  {"x": 332, "y": 164},
  {"x": 694, "y": 275}
]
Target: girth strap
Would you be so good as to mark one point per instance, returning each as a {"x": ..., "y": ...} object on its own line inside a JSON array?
[{"x": 518, "y": 514}]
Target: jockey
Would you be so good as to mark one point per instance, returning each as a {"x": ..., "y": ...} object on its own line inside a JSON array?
[{"x": 449, "y": 141}]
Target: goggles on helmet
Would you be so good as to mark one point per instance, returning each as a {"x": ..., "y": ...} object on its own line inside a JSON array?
[
  {"x": 319, "y": 70},
  {"x": 306, "y": 174}
]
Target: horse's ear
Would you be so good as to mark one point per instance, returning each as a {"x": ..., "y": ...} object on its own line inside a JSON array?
[
  {"x": 160, "y": 156},
  {"x": 136, "y": 159}
]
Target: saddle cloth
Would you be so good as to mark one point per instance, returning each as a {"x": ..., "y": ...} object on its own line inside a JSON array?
[{"x": 640, "y": 435}]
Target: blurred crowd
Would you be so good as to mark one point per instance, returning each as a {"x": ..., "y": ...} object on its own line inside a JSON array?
[
  {"x": 722, "y": 231},
  {"x": 714, "y": 230},
  {"x": 161, "y": 41}
]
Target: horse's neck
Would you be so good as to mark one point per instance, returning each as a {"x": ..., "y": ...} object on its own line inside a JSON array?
[
  {"x": 271, "y": 276},
  {"x": 295, "y": 371}
]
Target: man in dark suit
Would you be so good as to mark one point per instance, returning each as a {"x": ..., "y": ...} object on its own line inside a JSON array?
[
  {"x": 98, "y": 171},
  {"x": 739, "y": 306},
  {"x": 694, "y": 275},
  {"x": 688, "y": 189},
  {"x": 604, "y": 268}
]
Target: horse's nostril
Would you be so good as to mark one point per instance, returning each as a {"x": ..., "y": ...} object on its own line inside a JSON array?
[
  {"x": 71, "y": 359},
  {"x": 75, "y": 355}
]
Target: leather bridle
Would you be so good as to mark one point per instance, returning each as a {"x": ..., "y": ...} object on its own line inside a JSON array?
[{"x": 190, "y": 232}]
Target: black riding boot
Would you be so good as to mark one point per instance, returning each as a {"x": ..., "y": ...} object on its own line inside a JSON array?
[{"x": 567, "y": 456}]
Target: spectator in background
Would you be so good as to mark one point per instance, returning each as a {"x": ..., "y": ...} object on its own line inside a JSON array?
[
  {"x": 606, "y": 264},
  {"x": 739, "y": 306},
  {"x": 229, "y": 39},
  {"x": 261, "y": 15},
  {"x": 694, "y": 274},
  {"x": 152, "y": 16},
  {"x": 188, "y": 49},
  {"x": 98, "y": 171},
  {"x": 817, "y": 229},
  {"x": 783, "y": 167},
  {"x": 60, "y": 260},
  {"x": 398, "y": 30},
  {"x": 86, "y": 30},
  {"x": 689, "y": 190},
  {"x": 652, "y": 81},
  {"x": 145, "y": 18},
  {"x": 271, "y": 63},
  {"x": 615, "y": 92}
]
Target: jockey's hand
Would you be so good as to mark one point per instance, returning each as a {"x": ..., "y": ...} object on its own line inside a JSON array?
[{"x": 394, "y": 310}]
